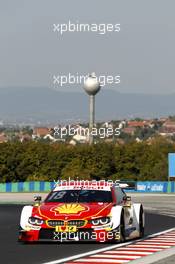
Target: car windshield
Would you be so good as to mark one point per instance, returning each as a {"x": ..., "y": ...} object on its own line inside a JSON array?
[{"x": 80, "y": 196}]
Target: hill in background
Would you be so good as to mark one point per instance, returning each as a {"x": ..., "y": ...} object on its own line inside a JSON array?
[{"x": 44, "y": 104}]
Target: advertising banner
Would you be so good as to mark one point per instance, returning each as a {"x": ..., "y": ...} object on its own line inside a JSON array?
[
  {"x": 171, "y": 165},
  {"x": 152, "y": 186}
]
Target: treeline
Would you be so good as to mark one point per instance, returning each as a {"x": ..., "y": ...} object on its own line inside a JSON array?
[{"x": 40, "y": 161}]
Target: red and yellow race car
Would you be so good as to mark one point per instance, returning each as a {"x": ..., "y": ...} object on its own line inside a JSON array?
[{"x": 98, "y": 211}]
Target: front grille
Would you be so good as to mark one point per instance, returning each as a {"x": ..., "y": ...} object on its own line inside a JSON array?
[
  {"x": 77, "y": 223},
  {"x": 54, "y": 223}
]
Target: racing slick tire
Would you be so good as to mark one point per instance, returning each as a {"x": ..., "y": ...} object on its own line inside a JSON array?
[
  {"x": 141, "y": 223},
  {"x": 122, "y": 228}
]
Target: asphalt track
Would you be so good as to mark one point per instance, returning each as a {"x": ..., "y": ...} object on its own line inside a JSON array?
[{"x": 13, "y": 252}]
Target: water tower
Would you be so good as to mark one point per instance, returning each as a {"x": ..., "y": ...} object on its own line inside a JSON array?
[{"x": 92, "y": 87}]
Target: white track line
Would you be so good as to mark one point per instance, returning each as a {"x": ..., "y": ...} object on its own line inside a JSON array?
[
  {"x": 123, "y": 248},
  {"x": 169, "y": 240},
  {"x": 103, "y": 260},
  {"x": 159, "y": 243},
  {"x": 147, "y": 246},
  {"x": 128, "y": 252},
  {"x": 114, "y": 256},
  {"x": 63, "y": 260}
]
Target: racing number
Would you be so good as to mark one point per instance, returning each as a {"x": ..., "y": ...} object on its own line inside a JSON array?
[
  {"x": 66, "y": 229},
  {"x": 72, "y": 229}
]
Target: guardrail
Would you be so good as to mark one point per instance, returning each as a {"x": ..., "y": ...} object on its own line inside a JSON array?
[{"x": 45, "y": 186}]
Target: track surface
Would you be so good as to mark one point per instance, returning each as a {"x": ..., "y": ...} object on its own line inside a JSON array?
[{"x": 13, "y": 252}]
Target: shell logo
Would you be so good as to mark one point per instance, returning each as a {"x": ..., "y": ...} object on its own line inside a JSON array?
[{"x": 70, "y": 209}]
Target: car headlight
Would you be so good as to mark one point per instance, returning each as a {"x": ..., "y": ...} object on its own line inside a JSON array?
[
  {"x": 95, "y": 221},
  {"x": 35, "y": 221},
  {"x": 100, "y": 221},
  {"x": 104, "y": 220}
]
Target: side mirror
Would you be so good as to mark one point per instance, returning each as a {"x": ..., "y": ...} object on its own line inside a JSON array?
[
  {"x": 127, "y": 198},
  {"x": 37, "y": 199},
  {"x": 127, "y": 201}
]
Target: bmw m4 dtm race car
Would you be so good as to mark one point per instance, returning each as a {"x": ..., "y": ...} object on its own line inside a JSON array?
[{"x": 76, "y": 212}]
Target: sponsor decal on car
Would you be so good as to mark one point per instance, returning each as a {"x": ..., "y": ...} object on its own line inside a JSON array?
[{"x": 69, "y": 209}]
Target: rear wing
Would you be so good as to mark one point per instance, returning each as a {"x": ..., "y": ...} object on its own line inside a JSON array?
[{"x": 127, "y": 185}]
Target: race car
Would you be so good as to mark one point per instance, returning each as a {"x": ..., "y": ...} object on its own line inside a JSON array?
[{"x": 83, "y": 212}]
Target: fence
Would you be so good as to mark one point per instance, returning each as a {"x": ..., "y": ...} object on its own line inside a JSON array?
[{"x": 43, "y": 186}]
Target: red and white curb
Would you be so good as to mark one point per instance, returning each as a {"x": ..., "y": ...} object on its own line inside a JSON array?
[
  {"x": 125, "y": 252},
  {"x": 131, "y": 252}
]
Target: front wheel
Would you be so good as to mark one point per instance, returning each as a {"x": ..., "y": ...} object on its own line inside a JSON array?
[
  {"x": 141, "y": 223},
  {"x": 122, "y": 228}
]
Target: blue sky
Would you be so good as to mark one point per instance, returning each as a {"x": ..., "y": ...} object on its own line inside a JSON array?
[{"x": 142, "y": 52}]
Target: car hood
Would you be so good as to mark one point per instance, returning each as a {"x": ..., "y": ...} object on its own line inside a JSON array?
[{"x": 72, "y": 210}]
